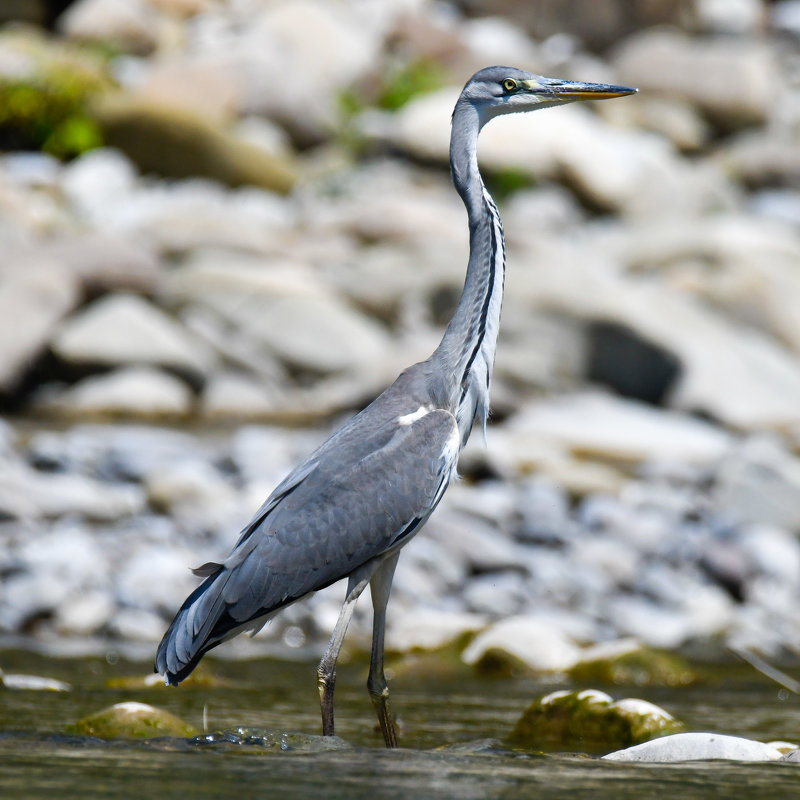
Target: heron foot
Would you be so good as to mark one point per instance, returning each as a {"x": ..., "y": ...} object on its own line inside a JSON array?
[
  {"x": 326, "y": 684},
  {"x": 380, "y": 700}
]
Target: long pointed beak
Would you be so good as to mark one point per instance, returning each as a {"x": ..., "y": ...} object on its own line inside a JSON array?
[{"x": 577, "y": 90}]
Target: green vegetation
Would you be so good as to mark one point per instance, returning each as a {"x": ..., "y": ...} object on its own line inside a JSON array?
[
  {"x": 642, "y": 666},
  {"x": 414, "y": 79},
  {"x": 44, "y": 104}
]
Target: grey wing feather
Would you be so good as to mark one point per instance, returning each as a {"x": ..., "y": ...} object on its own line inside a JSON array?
[{"x": 360, "y": 495}]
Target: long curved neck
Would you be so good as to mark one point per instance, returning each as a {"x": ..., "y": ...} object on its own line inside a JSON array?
[{"x": 466, "y": 353}]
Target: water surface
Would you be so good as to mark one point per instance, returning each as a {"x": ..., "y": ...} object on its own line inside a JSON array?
[{"x": 452, "y": 728}]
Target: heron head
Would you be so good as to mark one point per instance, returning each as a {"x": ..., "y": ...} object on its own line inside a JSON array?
[{"x": 506, "y": 90}]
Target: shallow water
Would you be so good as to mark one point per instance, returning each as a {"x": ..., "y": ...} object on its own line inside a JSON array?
[{"x": 452, "y": 727}]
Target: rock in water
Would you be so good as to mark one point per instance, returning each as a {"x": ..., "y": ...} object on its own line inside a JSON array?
[
  {"x": 698, "y": 747},
  {"x": 590, "y": 720},
  {"x": 132, "y": 721}
]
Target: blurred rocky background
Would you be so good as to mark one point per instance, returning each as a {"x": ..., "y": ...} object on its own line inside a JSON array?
[{"x": 227, "y": 224}]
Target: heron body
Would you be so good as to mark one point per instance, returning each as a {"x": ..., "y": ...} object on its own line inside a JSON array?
[{"x": 352, "y": 504}]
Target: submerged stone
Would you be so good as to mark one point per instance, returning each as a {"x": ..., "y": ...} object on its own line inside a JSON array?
[
  {"x": 132, "y": 721},
  {"x": 590, "y": 720},
  {"x": 638, "y": 666}
]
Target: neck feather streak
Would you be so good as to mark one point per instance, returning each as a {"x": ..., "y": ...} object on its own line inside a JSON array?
[{"x": 466, "y": 353}]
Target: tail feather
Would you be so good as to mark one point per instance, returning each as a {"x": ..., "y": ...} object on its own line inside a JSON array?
[{"x": 201, "y": 624}]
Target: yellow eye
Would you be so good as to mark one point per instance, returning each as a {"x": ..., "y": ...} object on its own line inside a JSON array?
[{"x": 509, "y": 84}]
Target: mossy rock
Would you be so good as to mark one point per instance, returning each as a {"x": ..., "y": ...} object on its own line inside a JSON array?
[
  {"x": 201, "y": 677},
  {"x": 132, "y": 721},
  {"x": 177, "y": 143},
  {"x": 640, "y": 666},
  {"x": 44, "y": 99},
  {"x": 590, "y": 721}
]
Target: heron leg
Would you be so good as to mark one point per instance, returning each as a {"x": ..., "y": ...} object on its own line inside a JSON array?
[
  {"x": 380, "y": 586},
  {"x": 326, "y": 671}
]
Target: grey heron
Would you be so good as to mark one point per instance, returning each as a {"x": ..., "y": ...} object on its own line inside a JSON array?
[{"x": 349, "y": 508}]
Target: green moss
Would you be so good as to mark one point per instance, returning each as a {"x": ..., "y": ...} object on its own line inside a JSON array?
[
  {"x": 590, "y": 721},
  {"x": 132, "y": 721},
  {"x": 504, "y": 182},
  {"x": 414, "y": 79},
  {"x": 642, "y": 666},
  {"x": 43, "y": 106}
]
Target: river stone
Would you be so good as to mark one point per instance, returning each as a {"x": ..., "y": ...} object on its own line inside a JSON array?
[
  {"x": 731, "y": 372},
  {"x": 122, "y": 329},
  {"x": 610, "y": 427},
  {"x": 175, "y": 142},
  {"x": 697, "y": 747},
  {"x": 131, "y": 391},
  {"x": 27, "y": 493},
  {"x": 627, "y": 663},
  {"x": 155, "y": 577},
  {"x": 231, "y": 394},
  {"x": 97, "y": 183},
  {"x": 283, "y": 46},
  {"x": 32, "y": 683},
  {"x": 759, "y": 482},
  {"x": 590, "y": 720},
  {"x": 428, "y": 628},
  {"x": 36, "y": 296},
  {"x": 131, "y": 720},
  {"x": 128, "y": 25},
  {"x": 106, "y": 261},
  {"x": 85, "y": 614},
  {"x": 730, "y": 79},
  {"x": 522, "y": 642},
  {"x": 283, "y": 309}
]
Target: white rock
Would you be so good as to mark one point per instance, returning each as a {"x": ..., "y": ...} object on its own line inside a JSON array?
[
  {"x": 27, "y": 493},
  {"x": 85, "y": 613},
  {"x": 98, "y": 181},
  {"x": 131, "y": 391},
  {"x": 648, "y": 621},
  {"x": 34, "y": 299},
  {"x": 538, "y": 644},
  {"x": 138, "y": 625},
  {"x": 282, "y": 309},
  {"x": 126, "y": 329},
  {"x": 428, "y": 628},
  {"x": 697, "y": 747},
  {"x": 474, "y": 541},
  {"x": 236, "y": 395},
  {"x": 322, "y": 47},
  {"x": 729, "y": 78},
  {"x": 500, "y": 594},
  {"x": 127, "y": 24},
  {"x": 602, "y": 425},
  {"x": 760, "y": 482},
  {"x": 773, "y": 551},
  {"x": 155, "y": 577},
  {"x": 732, "y": 16},
  {"x": 732, "y": 372}
]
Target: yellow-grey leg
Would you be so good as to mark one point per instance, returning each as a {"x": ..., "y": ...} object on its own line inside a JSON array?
[
  {"x": 380, "y": 586},
  {"x": 326, "y": 672}
]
